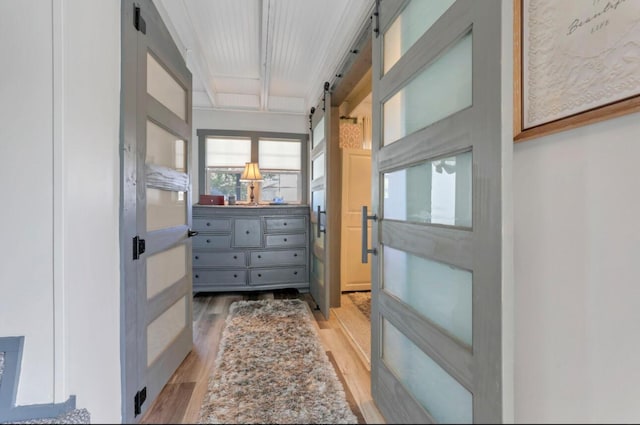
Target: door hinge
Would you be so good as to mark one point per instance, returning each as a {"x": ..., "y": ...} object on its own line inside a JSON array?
[
  {"x": 139, "y": 399},
  {"x": 139, "y": 247},
  {"x": 138, "y": 22}
]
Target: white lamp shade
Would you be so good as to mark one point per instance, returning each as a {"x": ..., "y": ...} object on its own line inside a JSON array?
[{"x": 251, "y": 172}]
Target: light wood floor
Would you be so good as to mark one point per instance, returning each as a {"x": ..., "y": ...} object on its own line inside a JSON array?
[{"x": 180, "y": 400}]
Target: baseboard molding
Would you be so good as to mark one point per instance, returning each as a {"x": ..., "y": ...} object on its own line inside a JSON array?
[{"x": 12, "y": 349}]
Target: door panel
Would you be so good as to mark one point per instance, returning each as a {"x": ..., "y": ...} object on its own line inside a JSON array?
[
  {"x": 157, "y": 332},
  {"x": 436, "y": 189},
  {"x": 356, "y": 192},
  {"x": 319, "y": 288}
]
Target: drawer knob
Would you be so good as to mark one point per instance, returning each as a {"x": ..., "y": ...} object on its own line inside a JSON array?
[
  {"x": 197, "y": 276},
  {"x": 285, "y": 223},
  {"x": 197, "y": 257},
  {"x": 285, "y": 239},
  {"x": 208, "y": 224},
  {"x": 259, "y": 256},
  {"x": 235, "y": 257},
  {"x": 295, "y": 272},
  {"x": 208, "y": 240},
  {"x": 247, "y": 232},
  {"x": 295, "y": 255},
  {"x": 259, "y": 274},
  {"x": 235, "y": 275}
]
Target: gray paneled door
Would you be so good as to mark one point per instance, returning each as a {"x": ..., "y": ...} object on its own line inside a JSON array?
[
  {"x": 156, "y": 207},
  {"x": 436, "y": 187},
  {"x": 320, "y": 120}
]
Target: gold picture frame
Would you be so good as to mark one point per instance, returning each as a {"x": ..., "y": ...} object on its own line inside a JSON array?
[{"x": 604, "y": 35}]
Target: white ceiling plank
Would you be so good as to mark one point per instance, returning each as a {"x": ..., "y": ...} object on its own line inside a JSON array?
[
  {"x": 266, "y": 50},
  {"x": 264, "y": 55}
]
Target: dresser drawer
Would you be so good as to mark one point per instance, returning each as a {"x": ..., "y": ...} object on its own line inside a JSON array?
[
  {"x": 226, "y": 277},
  {"x": 283, "y": 275},
  {"x": 211, "y": 224},
  {"x": 285, "y": 223},
  {"x": 212, "y": 241},
  {"x": 247, "y": 232},
  {"x": 277, "y": 258},
  {"x": 221, "y": 259},
  {"x": 296, "y": 239}
]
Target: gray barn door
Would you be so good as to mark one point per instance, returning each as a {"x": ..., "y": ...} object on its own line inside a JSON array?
[
  {"x": 436, "y": 185},
  {"x": 320, "y": 122},
  {"x": 156, "y": 214}
]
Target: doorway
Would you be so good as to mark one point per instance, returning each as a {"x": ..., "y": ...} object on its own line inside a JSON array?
[{"x": 355, "y": 137}]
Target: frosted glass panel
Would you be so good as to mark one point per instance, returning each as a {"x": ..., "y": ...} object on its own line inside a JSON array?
[
  {"x": 279, "y": 154},
  {"x": 317, "y": 199},
  {"x": 437, "y": 191},
  {"x": 437, "y": 391},
  {"x": 439, "y": 292},
  {"x": 165, "y": 209},
  {"x": 227, "y": 152},
  {"x": 165, "y": 328},
  {"x": 165, "y": 89},
  {"x": 165, "y": 268},
  {"x": 415, "y": 20},
  {"x": 163, "y": 148},
  {"x": 317, "y": 167},
  {"x": 442, "y": 89},
  {"x": 318, "y": 133}
]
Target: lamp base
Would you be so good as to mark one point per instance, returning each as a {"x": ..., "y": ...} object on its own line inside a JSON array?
[{"x": 251, "y": 197}]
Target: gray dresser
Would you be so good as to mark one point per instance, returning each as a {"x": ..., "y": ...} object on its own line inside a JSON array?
[{"x": 244, "y": 248}]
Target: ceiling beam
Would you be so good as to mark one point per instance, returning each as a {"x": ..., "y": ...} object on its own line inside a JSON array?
[{"x": 266, "y": 47}]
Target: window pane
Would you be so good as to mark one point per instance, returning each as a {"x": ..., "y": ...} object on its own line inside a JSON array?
[
  {"x": 165, "y": 89},
  {"x": 163, "y": 148},
  {"x": 438, "y": 291},
  {"x": 437, "y": 391},
  {"x": 164, "y": 329},
  {"x": 226, "y": 181},
  {"x": 281, "y": 187},
  {"x": 317, "y": 167},
  {"x": 318, "y": 133},
  {"x": 442, "y": 89},
  {"x": 227, "y": 152},
  {"x": 437, "y": 191},
  {"x": 279, "y": 154},
  {"x": 165, "y": 209},
  {"x": 415, "y": 20},
  {"x": 165, "y": 268}
]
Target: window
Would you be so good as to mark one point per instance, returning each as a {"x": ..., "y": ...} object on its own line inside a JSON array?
[{"x": 281, "y": 158}]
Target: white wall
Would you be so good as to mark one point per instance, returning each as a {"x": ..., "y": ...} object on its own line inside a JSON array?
[
  {"x": 208, "y": 119},
  {"x": 59, "y": 260},
  {"x": 91, "y": 205},
  {"x": 26, "y": 210},
  {"x": 577, "y": 252}
]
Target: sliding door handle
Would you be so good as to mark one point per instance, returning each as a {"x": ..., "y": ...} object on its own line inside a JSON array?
[
  {"x": 320, "y": 229},
  {"x": 365, "y": 242}
]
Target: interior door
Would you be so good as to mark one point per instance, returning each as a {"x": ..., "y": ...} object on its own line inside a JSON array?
[
  {"x": 156, "y": 206},
  {"x": 356, "y": 192},
  {"x": 436, "y": 185},
  {"x": 320, "y": 156}
]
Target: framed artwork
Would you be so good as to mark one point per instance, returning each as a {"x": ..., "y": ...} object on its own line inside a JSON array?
[{"x": 575, "y": 62}]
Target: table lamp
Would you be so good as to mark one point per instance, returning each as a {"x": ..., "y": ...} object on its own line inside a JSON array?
[{"x": 251, "y": 174}]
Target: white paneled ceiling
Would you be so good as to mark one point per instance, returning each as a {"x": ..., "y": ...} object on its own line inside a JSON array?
[{"x": 263, "y": 55}]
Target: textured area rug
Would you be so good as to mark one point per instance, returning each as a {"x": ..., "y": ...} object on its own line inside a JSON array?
[
  {"x": 362, "y": 300},
  {"x": 272, "y": 368}
]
